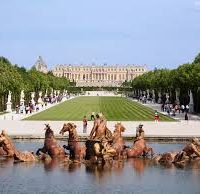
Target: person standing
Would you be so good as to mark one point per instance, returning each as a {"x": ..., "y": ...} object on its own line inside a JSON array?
[
  {"x": 187, "y": 108},
  {"x": 92, "y": 116},
  {"x": 84, "y": 124},
  {"x": 27, "y": 109},
  {"x": 156, "y": 117},
  {"x": 182, "y": 108}
]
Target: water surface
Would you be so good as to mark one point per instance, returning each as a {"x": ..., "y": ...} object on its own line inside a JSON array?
[{"x": 133, "y": 176}]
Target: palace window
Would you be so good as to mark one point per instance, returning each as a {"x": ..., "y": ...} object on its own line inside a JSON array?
[{"x": 112, "y": 77}]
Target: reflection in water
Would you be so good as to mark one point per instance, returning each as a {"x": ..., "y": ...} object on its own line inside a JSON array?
[
  {"x": 5, "y": 162},
  {"x": 136, "y": 174},
  {"x": 139, "y": 164},
  {"x": 56, "y": 164},
  {"x": 50, "y": 165},
  {"x": 102, "y": 172}
]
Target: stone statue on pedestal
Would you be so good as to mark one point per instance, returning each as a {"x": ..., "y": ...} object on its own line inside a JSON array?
[
  {"x": 9, "y": 103},
  {"x": 40, "y": 101},
  {"x": 153, "y": 96},
  {"x": 51, "y": 94},
  {"x": 148, "y": 96},
  {"x": 177, "y": 96},
  {"x": 159, "y": 98},
  {"x": 45, "y": 94},
  {"x": 22, "y": 98},
  {"x": 167, "y": 98},
  {"x": 191, "y": 104},
  {"x": 54, "y": 92},
  {"x": 32, "y": 97}
]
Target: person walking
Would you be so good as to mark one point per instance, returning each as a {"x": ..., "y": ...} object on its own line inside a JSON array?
[{"x": 84, "y": 124}]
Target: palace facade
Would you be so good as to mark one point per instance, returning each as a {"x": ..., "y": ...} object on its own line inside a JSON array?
[{"x": 99, "y": 75}]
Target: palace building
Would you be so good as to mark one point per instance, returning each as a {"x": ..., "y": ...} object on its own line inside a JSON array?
[
  {"x": 99, "y": 75},
  {"x": 40, "y": 65}
]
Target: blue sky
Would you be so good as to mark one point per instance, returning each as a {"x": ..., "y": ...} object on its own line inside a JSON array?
[{"x": 152, "y": 32}]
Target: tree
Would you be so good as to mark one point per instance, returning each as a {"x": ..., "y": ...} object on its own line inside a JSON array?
[
  {"x": 14, "y": 78},
  {"x": 197, "y": 59}
]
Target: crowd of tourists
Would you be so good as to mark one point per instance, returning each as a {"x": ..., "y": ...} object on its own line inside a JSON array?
[
  {"x": 144, "y": 99},
  {"x": 31, "y": 106},
  {"x": 172, "y": 109}
]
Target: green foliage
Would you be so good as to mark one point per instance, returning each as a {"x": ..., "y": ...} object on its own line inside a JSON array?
[
  {"x": 186, "y": 77},
  {"x": 10, "y": 78},
  {"x": 74, "y": 89},
  {"x": 14, "y": 78},
  {"x": 157, "y": 79},
  {"x": 197, "y": 59}
]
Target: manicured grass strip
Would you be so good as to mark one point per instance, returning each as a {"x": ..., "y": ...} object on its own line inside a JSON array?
[{"x": 114, "y": 109}]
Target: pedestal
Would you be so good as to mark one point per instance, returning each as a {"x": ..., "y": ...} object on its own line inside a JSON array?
[{"x": 22, "y": 102}]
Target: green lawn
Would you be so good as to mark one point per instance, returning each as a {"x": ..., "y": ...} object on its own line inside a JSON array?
[{"x": 114, "y": 109}]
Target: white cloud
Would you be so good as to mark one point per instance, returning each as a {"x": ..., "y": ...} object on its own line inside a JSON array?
[{"x": 197, "y": 4}]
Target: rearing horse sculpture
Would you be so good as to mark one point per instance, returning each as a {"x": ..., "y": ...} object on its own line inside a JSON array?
[
  {"x": 139, "y": 148},
  {"x": 77, "y": 152},
  {"x": 51, "y": 146},
  {"x": 7, "y": 146},
  {"x": 8, "y": 149},
  {"x": 118, "y": 141}
]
